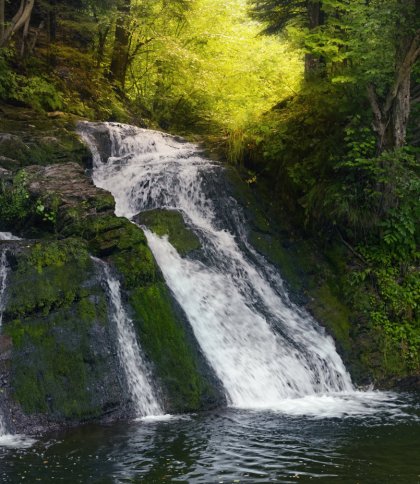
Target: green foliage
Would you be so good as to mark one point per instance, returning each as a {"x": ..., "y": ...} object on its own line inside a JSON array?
[
  {"x": 14, "y": 200},
  {"x": 7, "y": 78},
  {"x": 48, "y": 209},
  {"x": 33, "y": 90},
  {"x": 195, "y": 79},
  {"x": 333, "y": 181},
  {"x": 39, "y": 93}
]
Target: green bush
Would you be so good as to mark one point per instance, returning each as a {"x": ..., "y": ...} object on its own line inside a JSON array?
[{"x": 14, "y": 200}]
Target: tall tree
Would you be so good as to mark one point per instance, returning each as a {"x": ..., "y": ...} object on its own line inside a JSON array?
[
  {"x": 391, "y": 110},
  {"x": 278, "y": 14},
  {"x": 121, "y": 48},
  {"x": 375, "y": 45}
]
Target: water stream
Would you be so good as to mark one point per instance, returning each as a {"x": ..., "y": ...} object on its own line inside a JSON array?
[
  {"x": 4, "y": 269},
  {"x": 268, "y": 353},
  {"x": 139, "y": 384}
]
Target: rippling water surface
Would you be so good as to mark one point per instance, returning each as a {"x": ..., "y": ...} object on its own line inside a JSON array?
[{"x": 228, "y": 446}]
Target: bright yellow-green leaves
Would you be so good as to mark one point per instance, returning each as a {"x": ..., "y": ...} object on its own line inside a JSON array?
[{"x": 214, "y": 65}]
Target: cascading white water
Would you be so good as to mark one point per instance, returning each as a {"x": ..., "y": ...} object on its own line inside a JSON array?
[
  {"x": 142, "y": 392},
  {"x": 263, "y": 348},
  {"x": 8, "y": 236},
  {"x": 3, "y": 277},
  {"x": 4, "y": 269}
]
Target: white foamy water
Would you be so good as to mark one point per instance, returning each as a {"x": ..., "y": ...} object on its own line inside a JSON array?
[
  {"x": 138, "y": 380},
  {"x": 4, "y": 269},
  {"x": 268, "y": 353},
  {"x": 8, "y": 236}
]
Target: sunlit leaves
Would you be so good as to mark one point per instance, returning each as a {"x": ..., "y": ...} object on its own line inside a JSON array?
[{"x": 214, "y": 64}]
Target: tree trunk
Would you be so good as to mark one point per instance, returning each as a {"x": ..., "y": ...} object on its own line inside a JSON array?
[
  {"x": 314, "y": 65},
  {"x": 120, "y": 53},
  {"x": 20, "y": 20},
  {"x": 391, "y": 114},
  {"x": 102, "y": 38},
  {"x": 52, "y": 21},
  {"x": 2, "y": 4}
]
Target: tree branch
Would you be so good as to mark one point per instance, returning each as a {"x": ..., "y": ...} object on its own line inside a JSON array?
[
  {"x": 21, "y": 19},
  {"x": 410, "y": 57},
  {"x": 374, "y": 103}
]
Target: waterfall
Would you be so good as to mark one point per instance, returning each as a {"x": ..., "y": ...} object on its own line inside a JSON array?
[
  {"x": 4, "y": 269},
  {"x": 142, "y": 392},
  {"x": 262, "y": 347}
]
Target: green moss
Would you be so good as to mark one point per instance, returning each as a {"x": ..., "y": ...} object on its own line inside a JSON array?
[
  {"x": 334, "y": 314},
  {"x": 51, "y": 366},
  {"x": 164, "y": 340},
  {"x": 271, "y": 248},
  {"x": 50, "y": 375},
  {"x": 49, "y": 275},
  {"x": 56, "y": 316},
  {"x": 126, "y": 246},
  {"x": 36, "y": 139},
  {"x": 171, "y": 223}
]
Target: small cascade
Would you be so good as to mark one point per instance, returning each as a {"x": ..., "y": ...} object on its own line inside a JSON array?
[
  {"x": 4, "y": 269},
  {"x": 263, "y": 348},
  {"x": 8, "y": 236},
  {"x": 138, "y": 380}
]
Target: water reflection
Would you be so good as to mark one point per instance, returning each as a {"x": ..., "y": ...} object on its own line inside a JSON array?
[{"x": 229, "y": 446}]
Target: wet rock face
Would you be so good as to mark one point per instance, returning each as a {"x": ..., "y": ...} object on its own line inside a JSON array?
[
  {"x": 58, "y": 360},
  {"x": 58, "y": 354},
  {"x": 100, "y": 133},
  {"x": 66, "y": 181}
]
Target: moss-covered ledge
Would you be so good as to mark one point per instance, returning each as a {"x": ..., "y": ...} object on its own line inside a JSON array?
[
  {"x": 171, "y": 223},
  {"x": 29, "y": 137}
]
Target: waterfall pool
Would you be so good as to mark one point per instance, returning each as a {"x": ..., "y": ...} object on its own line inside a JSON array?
[
  {"x": 230, "y": 446},
  {"x": 293, "y": 412}
]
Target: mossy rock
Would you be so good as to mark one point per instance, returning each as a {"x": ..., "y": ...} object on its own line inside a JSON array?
[
  {"x": 171, "y": 223},
  {"x": 63, "y": 361},
  {"x": 125, "y": 245},
  {"x": 13, "y": 151},
  {"x": 47, "y": 276},
  {"x": 189, "y": 383},
  {"x": 33, "y": 138}
]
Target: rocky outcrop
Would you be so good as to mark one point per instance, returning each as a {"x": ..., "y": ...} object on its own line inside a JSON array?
[
  {"x": 58, "y": 360},
  {"x": 61, "y": 356}
]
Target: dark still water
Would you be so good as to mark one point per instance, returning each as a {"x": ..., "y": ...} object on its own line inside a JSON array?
[{"x": 229, "y": 446}]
